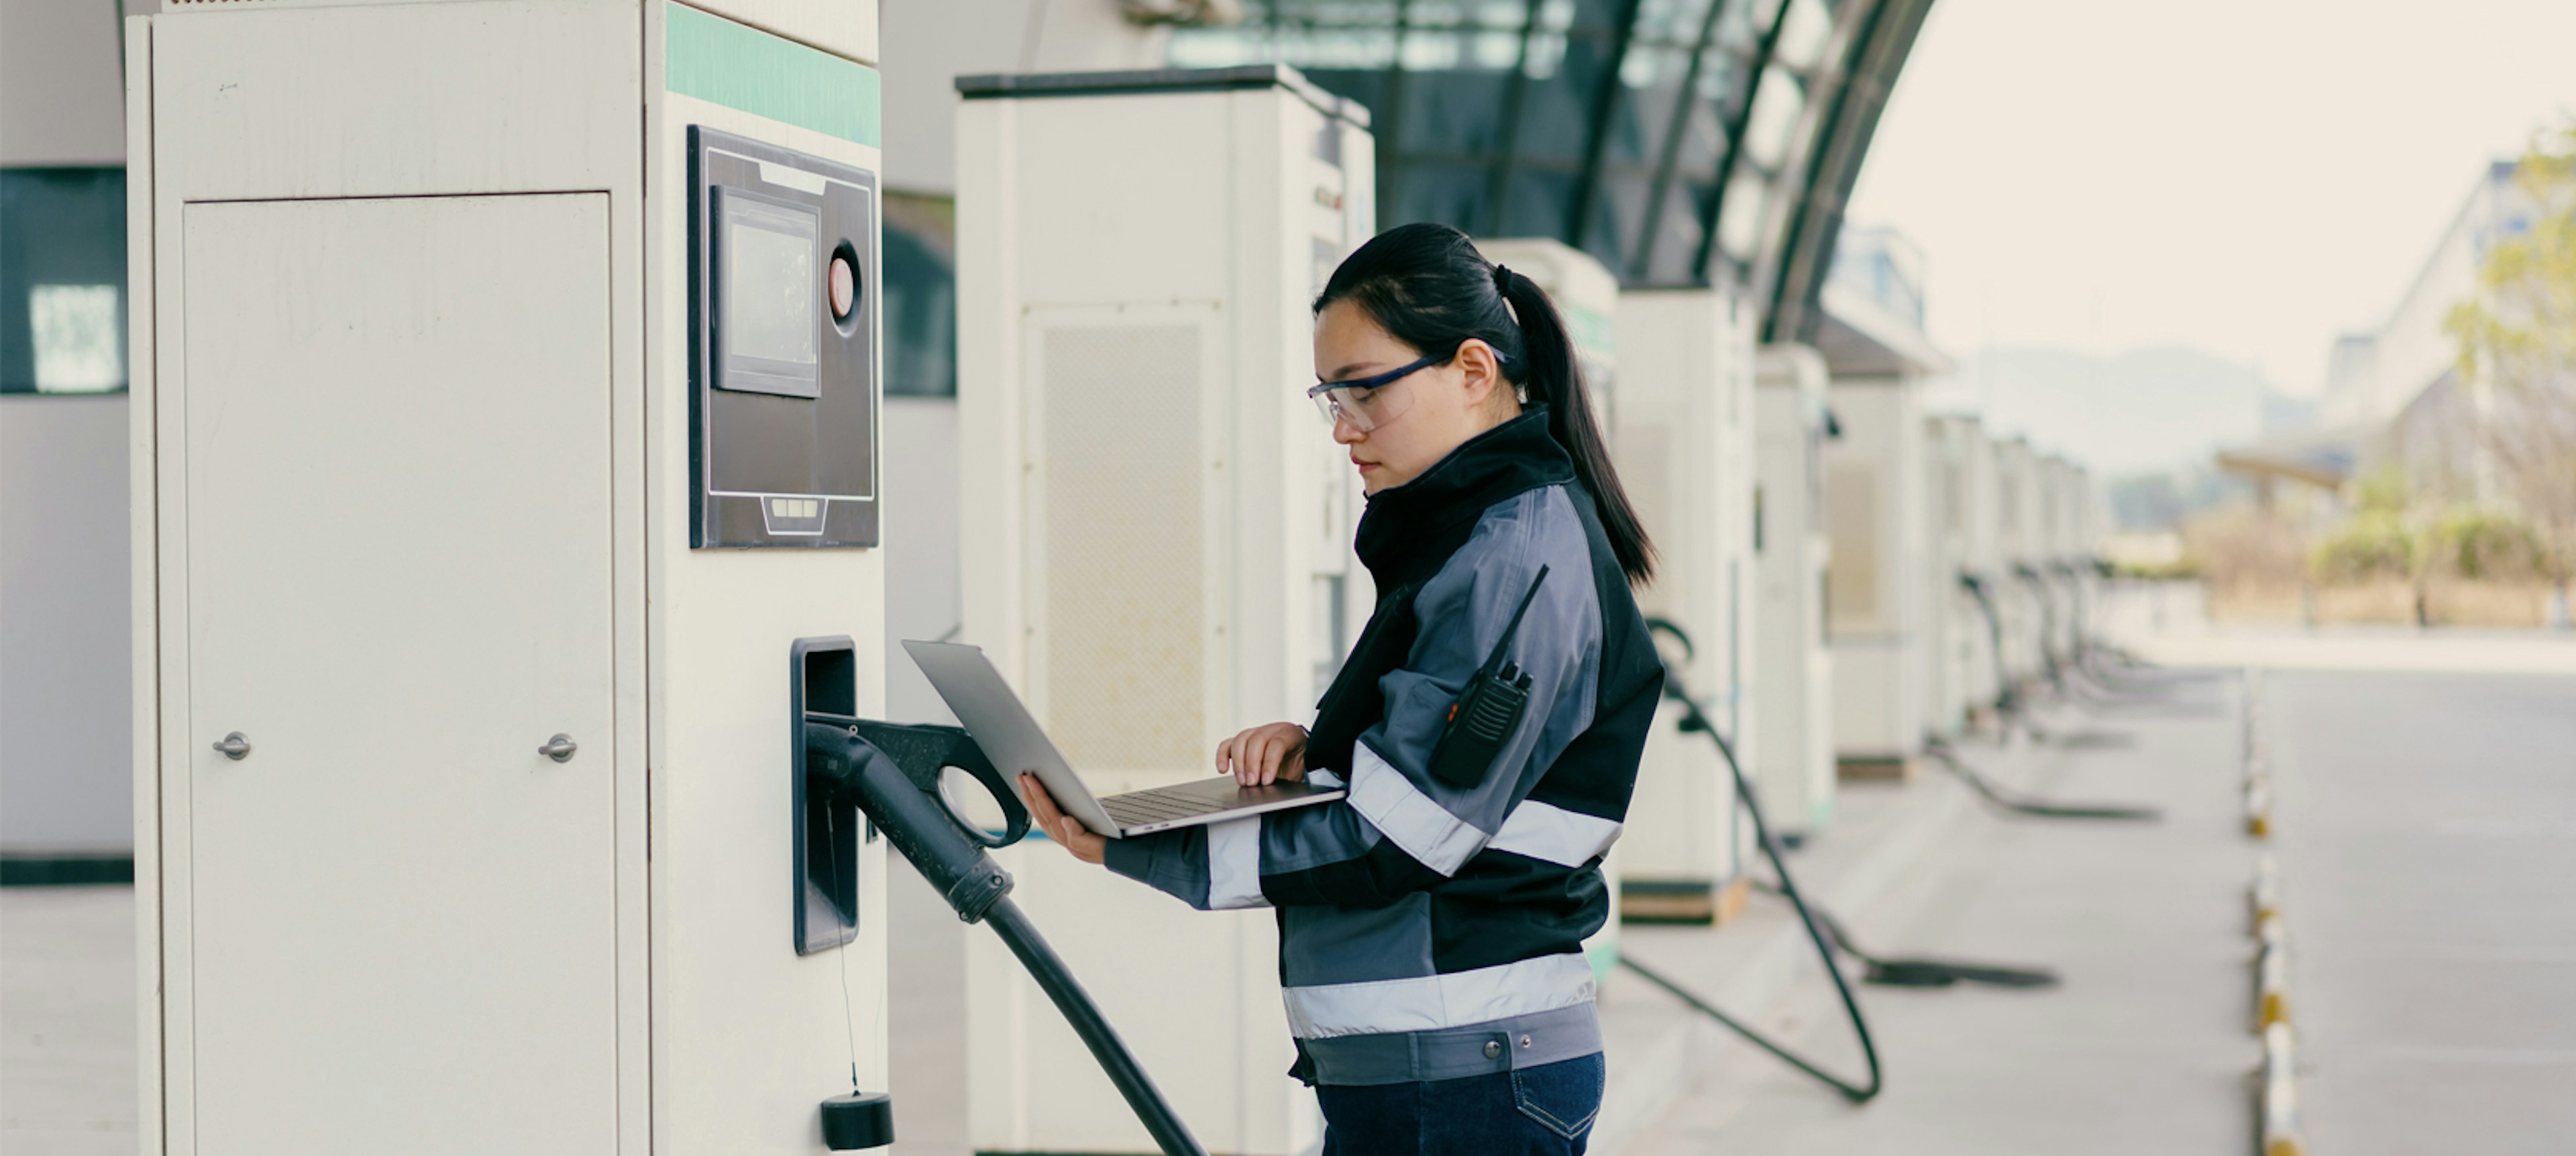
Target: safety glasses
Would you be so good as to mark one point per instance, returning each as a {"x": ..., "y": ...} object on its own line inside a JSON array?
[{"x": 1368, "y": 402}]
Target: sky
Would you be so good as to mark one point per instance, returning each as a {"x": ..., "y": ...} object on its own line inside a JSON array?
[{"x": 2248, "y": 178}]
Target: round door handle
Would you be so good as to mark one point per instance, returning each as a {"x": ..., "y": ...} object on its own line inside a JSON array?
[
  {"x": 559, "y": 748},
  {"x": 233, "y": 746}
]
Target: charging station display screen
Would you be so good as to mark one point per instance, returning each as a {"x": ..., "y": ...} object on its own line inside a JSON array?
[
  {"x": 771, "y": 265},
  {"x": 770, "y": 268}
]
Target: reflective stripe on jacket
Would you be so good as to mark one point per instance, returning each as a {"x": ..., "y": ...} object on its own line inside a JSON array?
[{"x": 1430, "y": 930}]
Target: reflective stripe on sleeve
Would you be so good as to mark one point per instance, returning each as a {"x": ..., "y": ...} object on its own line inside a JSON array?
[
  {"x": 1234, "y": 864},
  {"x": 1408, "y": 818},
  {"x": 1432, "y": 1002},
  {"x": 1544, "y": 831}
]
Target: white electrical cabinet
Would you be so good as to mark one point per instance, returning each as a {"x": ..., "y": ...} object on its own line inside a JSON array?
[
  {"x": 2019, "y": 542},
  {"x": 1876, "y": 610},
  {"x": 1684, "y": 447},
  {"x": 1983, "y": 661},
  {"x": 2083, "y": 519},
  {"x": 1155, "y": 540},
  {"x": 463, "y": 776},
  {"x": 2069, "y": 558},
  {"x": 1793, "y": 739},
  {"x": 1586, "y": 295},
  {"x": 1950, "y": 621},
  {"x": 2048, "y": 565}
]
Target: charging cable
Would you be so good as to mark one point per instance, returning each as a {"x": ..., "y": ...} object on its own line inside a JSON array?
[{"x": 1861, "y": 1093}]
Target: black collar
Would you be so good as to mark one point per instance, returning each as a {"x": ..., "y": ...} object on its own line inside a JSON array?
[{"x": 1425, "y": 520}]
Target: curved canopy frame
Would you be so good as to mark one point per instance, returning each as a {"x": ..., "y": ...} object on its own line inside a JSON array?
[{"x": 1680, "y": 142}]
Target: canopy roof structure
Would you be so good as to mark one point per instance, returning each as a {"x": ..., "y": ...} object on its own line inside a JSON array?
[
  {"x": 2322, "y": 458},
  {"x": 1680, "y": 142}
]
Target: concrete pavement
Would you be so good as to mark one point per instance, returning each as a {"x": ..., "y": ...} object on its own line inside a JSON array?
[
  {"x": 2144, "y": 1048},
  {"x": 2426, "y": 827}
]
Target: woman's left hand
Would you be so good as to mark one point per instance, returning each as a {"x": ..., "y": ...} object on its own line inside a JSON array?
[{"x": 1061, "y": 827}]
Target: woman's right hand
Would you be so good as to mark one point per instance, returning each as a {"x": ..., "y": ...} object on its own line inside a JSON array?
[{"x": 1275, "y": 752}]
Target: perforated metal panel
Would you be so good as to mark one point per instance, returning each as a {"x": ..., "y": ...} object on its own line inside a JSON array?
[
  {"x": 1116, "y": 503},
  {"x": 1852, "y": 522}
]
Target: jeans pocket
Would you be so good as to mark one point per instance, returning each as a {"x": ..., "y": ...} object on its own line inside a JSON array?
[{"x": 1562, "y": 1097}]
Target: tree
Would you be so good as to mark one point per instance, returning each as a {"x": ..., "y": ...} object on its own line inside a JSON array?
[{"x": 2517, "y": 352}]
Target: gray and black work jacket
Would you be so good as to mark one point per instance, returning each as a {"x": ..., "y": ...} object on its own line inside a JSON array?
[{"x": 1430, "y": 930}]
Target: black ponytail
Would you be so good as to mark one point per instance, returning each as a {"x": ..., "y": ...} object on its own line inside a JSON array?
[{"x": 1426, "y": 285}]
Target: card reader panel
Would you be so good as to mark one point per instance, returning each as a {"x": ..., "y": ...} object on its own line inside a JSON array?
[{"x": 784, "y": 347}]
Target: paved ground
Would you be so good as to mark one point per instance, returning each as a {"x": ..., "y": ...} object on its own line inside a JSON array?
[
  {"x": 2427, "y": 842},
  {"x": 67, "y": 1021},
  {"x": 2145, "y": 1047}
]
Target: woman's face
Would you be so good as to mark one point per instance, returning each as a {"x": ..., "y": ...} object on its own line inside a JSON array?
[{"x": 1436, "y": 407}]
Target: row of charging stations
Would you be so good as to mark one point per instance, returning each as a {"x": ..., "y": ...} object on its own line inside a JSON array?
[
  {"x": 2010, "y": 566},
  {"x": 498, "y": 444}
]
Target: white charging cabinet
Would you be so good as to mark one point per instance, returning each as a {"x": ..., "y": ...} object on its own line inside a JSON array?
[
  {"x": 1876, "y": 610},
  {"x": 1950, "y": 620},
  {"x": 1684, "y": 446},
  {"x": 1983, "y": 652},
  {"x": 1155, "y": 540},
  {"x": 1793, "y": 747},
  {"x": 2020, "y": 544},
  {"x": 463, "y": 780},
  {"x": 1586, "y": 295}
]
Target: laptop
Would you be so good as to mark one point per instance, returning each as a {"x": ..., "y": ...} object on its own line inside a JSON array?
[{"x": 1010, "y": 736}]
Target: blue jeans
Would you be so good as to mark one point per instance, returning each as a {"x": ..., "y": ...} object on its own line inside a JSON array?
[{"x": 1541, "y": 1111}]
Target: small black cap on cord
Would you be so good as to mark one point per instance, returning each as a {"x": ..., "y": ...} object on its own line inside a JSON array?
[{"x": 858, "y": 1120}]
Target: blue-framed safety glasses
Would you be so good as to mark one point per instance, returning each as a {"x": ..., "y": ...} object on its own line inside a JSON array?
[{"x": 1368, "y": 402}]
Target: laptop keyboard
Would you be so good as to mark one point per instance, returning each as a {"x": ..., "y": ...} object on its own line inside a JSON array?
[{"x": 1162, "y": 805}]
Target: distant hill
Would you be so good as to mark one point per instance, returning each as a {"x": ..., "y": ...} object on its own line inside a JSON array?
[{"x": 2146, "y": 410}]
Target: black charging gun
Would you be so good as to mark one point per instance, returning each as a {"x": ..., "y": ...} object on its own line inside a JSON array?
[{"x": 891, "y": 773}]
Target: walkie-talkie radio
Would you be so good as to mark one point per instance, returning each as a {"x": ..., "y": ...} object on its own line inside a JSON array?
[{"x": 1483, "y": 718}]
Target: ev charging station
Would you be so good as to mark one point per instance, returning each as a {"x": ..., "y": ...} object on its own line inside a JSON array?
[
  {"x": 2079, "y": 553},
  {"x": 2018, "y": 543},
  {"x": 1586, "y": 294},
  {"x": 2070, "y": 562},
  {"x": 1982, "y": 664},
  {"x": 1793, "y": 736},
  {"x": 505, "y": 388},
  {"x": 1684, "y": 446},
  {"x": 1155, "y": 545},
  {"x": 1950, "y": 621},
  {"x": 2048, "y": 578},
  {"x": 1876, "y": 611}
]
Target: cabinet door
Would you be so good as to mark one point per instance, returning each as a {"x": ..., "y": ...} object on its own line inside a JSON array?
[{"x": 398, "y": 581}]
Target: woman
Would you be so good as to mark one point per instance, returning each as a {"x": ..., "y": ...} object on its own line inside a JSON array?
[{"x": 1431, "y": 922}]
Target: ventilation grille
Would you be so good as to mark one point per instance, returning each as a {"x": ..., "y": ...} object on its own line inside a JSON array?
[
  {"x": 1852, "y": 523},
  {"x": 1117, "y": 514}
]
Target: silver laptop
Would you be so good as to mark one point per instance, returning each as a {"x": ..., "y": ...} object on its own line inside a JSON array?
[{"x": 1010, "y": 736}]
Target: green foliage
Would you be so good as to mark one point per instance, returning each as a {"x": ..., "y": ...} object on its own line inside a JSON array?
[
  {"x": 2373, "y": 544},
  {"x": 2517, "y": 347},
  {"x": 2463, "y": 541},
  {"x": 2479, "y": 543},
  {"x": 2180, "y": 569},
  {"x": 2384, "y": 491}
]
